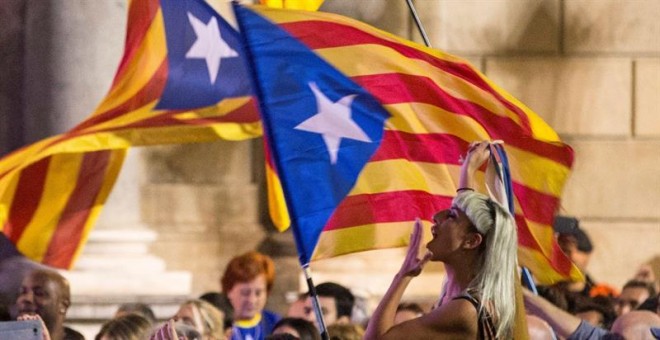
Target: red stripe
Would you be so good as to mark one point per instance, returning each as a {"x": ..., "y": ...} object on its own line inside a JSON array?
[
  {"x": 323, "y": 34},
  {"x": 140, "y": 15},
  {"x": 151, "y": 91},
  {"x": 386, "y": 207},
  {"x": 430, "y": 148},
  {"x": 68, "y": 233},
  {"x": 400, "y": 88},
  {"x": 536, "y": 206},
  {"x": 26, "y": 199},
  {"x": 557, "y": 259}
]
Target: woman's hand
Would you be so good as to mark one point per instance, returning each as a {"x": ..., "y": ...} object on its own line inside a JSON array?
[
  {"x": 477, "y": 155},
  {"x": 413, "y": 264}
]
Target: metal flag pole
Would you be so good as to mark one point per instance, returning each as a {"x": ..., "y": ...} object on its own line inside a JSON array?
[
  {"x": 418, "y": 22},
  {"x": 315, "y": 302}
]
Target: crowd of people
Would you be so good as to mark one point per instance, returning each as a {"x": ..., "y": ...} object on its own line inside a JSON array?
[{"x": 476, "y": 241}]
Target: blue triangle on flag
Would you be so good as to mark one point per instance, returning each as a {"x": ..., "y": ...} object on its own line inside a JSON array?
[{"x": 204, "y": 55}]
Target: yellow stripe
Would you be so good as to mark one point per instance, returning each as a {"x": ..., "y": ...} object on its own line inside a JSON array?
[
  {"x": 60, "y": 182},
  {"x": 112, "y": 172},
  {"x": 440, "y": 179},
  {"x": 145, "y": 62},
  {"x": 17, "y": 158},
  {"x": 536, "y": 172},
  {"x": 277, "y": 208},
  {"x": 307, "y": 5},
  {"x": 422, "y": 118},
  {"x": 384, "y": 60},
  {"x": 366, "y": 237},
  {"x": 399, "y": 175}
]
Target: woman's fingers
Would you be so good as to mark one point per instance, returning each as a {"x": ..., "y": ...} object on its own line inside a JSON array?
[{"x": 416, "y": 235}]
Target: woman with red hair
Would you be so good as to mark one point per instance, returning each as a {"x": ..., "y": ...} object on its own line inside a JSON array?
[{"x": 247, "y": 281}]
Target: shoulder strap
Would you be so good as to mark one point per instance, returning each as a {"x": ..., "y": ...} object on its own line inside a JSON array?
[{"x": 486, "y": 328}]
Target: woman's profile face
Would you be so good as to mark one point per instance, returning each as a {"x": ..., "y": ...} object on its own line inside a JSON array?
[
  {"x": 248, "y": 298},
  {"x": 449, "y": 230}
]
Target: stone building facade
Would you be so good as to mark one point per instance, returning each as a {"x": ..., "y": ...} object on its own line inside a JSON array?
[{"x": 590, "y": 68}]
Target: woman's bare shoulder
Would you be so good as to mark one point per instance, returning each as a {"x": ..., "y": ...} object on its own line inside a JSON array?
[{"x": 456, "y": 319}]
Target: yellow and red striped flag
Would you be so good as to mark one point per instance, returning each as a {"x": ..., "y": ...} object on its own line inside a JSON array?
[
  {"x": 438, "y": 104},
  {"x": 52, "y": 191}
]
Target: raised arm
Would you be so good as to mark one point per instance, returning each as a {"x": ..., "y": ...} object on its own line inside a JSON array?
[
  {"x": 561, "y": 321},
  {"x": 383, "y": 317}
]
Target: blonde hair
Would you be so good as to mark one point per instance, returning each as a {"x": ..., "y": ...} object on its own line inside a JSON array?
[
  {"x": 212, "y": 319},
  {"x": 498, "y": 260}
]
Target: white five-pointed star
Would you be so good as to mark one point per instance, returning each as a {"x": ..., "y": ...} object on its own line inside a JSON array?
[
  {"x": 333, "y": 121},
  {"x": 209, "y": 45}
]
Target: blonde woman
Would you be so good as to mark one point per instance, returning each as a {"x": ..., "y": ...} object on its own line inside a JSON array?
[
  {"x": 477, "y": 242},
  {"x": 203, "y": 317}
]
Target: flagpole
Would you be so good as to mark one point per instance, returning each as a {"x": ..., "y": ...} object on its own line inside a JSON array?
[
  {"x": 418, "y": 22},
  {"x": 315, "y": 302}
]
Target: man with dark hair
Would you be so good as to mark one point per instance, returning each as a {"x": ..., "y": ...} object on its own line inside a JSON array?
[
  {"x": 46, "y": 293},
  {"x": 633, "y": 294},
  {"x": 336, "y": 303}
]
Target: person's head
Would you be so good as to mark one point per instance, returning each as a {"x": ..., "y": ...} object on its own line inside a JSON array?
[
  {"x": 573, "y": 240},
  {"x": 346, "y": 331},
  {"x": 632, "y": 295},
  {"x": 598, "y": 311},
  {"x": 247, "y": 281},
  {"x": 129, "y": 326},
  {"x": 202, "y": 316},
  {"x": 636, "y": 325},
  {"x": 296, "y": 308},
  {"x": 479, "y": 235},
  {"x": 407, "y": 311},
  {"x": 336, "y": 302},
  {"x": 300, "y": 328},
  {"x": 46, "y": 293},
  {"x": 538, "y": 329},
  {"x": 221, "y": 302},
  {"x": 136, "y": 308}
]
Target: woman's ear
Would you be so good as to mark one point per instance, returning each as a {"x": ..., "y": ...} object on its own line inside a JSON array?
[{"x": 472, "y": 240}]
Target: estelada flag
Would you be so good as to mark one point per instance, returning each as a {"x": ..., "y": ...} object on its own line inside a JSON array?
[
  {"x": 366, "y": 131},
  {"x": 181, "y": 80}
]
